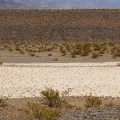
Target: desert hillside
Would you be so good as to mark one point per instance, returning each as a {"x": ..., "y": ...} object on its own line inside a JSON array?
[{"x": 65, "y": 25}]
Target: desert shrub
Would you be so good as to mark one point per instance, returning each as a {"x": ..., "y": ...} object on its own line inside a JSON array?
[
  {"x": 10, "y": 49},
  {"x": 78, "y": 46},
  {"x": 109, "y": 104},
  {"x": 111, "y": 44},
  {"x": 77, "y": 52},
  {"x": 56, "y": 59},
  {"x": 95, "y": 55},
  {"x": 49, "y": 54},
  {"x": 52, "y": 97},
  {"x": 92, "y": 101},
  {"x": 101, "y": 52},
  {"x": 3, "y": 101},
  {"x": 97, "y": 47},
  {"x": 73, "y": 55},
  {"x": 63, "y": 51},
  {"x": 17, "y": 49},
  {"x": 22, "y": 52},
  {"x": 32, "y": 54},
  {"x": 36, "y": 111},
  {"x": 84, "y": 53},
  {"x": 61, "y": 48},
  {"x": 1, "y": 63},
  {"x": 68, "y": 48},
  {"x": 50, "y": 48},
  {"x": 117, "y": 53},
  {"x": 86, "y": 49}
]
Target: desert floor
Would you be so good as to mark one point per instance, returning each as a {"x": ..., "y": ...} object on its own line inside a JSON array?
[{"x": 22, "y": 83}]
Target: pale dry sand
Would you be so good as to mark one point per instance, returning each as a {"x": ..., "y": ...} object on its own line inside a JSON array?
[{"x": 24, "y": 80}]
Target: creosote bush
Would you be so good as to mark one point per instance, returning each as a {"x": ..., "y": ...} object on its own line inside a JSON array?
[
  {"x": 92, "y": 101},
  {"x": 53, "y": 108},
  {"x": 52, "y": 97},
  {"x": 36, "y": 111}
]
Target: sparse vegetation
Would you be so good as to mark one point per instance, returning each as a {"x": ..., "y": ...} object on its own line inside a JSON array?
[
  {"x": 81, "y": 25},
  {"x": 36, "y": 111},
  {"x": 92, "y": 101},
  {"x": 73, "y": 50}
]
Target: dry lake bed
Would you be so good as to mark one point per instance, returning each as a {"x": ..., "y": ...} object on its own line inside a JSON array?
[{"x": 25, "y": 80}]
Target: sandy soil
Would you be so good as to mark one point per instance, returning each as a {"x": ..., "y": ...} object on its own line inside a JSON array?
[
  {"x": 16, "y": 57},
  {"x": 24, "y": 80}
]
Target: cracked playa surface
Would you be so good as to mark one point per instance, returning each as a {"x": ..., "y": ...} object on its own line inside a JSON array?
[{"x": 24, "y": 80}]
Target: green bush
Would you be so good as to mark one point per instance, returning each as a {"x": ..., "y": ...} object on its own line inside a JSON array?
[{"x": 36, "y": 111}]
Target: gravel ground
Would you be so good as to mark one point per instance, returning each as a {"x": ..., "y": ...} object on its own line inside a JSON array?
[
  {"x": 75, "y": 114},
  {"x": 98, "y": 114}
]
